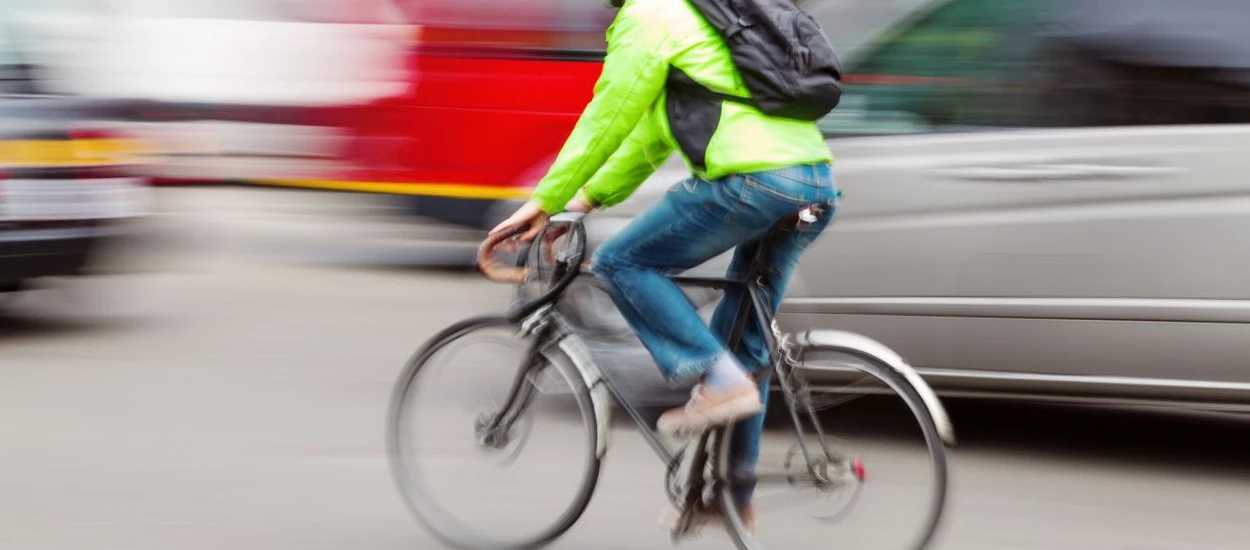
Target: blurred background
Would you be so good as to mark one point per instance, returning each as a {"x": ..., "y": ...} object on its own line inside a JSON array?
[{"x": 224, "y": 225}]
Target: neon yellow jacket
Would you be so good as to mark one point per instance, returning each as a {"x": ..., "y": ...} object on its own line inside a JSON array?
[{"x": 624, "y": 133}]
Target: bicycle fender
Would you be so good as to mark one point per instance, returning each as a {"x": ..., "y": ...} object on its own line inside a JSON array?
[
  {"x": 858, "y": 344},
  {"x": 600, "y": 397}
]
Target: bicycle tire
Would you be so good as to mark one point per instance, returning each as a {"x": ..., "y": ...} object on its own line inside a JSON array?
[
  {"x": 903, "y": 389},
  {"x": 426, "y": 510}
]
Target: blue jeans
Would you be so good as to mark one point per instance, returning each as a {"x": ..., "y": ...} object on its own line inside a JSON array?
[{"x": 696, "y": 221}]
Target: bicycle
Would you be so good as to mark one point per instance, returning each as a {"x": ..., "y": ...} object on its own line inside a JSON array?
[{"x": 697, "y": 482}]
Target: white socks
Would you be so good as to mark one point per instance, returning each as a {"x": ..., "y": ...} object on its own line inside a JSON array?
[{"x": 725, "y": 373}]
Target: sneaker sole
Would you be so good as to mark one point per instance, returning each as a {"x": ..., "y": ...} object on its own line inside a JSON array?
[
  {"x": 726, "y": 413},
  {"x": 668, "y": 520}
]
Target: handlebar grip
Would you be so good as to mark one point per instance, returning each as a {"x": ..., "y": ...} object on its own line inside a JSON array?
[
  {"x": 490, "y": 266},
  {"x": 566, "y": 264}
]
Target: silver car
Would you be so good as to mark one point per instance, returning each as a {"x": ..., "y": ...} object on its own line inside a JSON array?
[{"x": 1037, "y": 205}]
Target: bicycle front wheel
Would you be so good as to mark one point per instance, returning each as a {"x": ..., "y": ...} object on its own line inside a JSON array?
[
  {"x": 492, "y": 446},
  {"x": 851, "y": 459}
]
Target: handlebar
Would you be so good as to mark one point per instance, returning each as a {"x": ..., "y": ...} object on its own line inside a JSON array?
[
  {"x": 567, "y": 263},
  {"x": 495, "y": 270}
]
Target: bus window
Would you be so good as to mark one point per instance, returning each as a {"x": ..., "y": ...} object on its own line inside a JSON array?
[{"x": 525, "y": 24}]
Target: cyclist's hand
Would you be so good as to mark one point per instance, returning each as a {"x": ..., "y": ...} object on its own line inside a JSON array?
[{"x": 529, "y": 216}]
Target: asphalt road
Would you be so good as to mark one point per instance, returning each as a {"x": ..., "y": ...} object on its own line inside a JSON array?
[{"x": 227, "y": 390}]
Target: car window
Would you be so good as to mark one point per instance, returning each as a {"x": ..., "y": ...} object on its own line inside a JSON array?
[
  {"x": 9, "y": 53},
  {"x": 15, "y": 70},
  {"x": 977, "y": 64},
  {"x": 960, "y": 63},
  {"x": 851, "y": 26}
]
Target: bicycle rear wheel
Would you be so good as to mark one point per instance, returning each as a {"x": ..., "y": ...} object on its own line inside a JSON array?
[
  {"x": 482, "y": 434},
  {"x": 818, "y": 493}
]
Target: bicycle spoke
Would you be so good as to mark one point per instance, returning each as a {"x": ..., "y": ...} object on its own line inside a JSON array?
[
  {"x": 816, "y": 480},
  {"x": 846, "y": 393},
  {"x": 469, "y": 408}
]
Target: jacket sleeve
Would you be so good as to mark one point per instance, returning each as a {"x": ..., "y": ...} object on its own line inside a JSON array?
[
  {"x": 634, "y": 72},
  {"x": 637, "y": 158}
]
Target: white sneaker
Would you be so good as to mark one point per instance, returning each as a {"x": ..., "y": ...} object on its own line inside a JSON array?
[{"x": 707, "y": 409}]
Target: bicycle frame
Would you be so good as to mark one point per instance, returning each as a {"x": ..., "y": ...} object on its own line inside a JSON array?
[{"x": 549, "y": 330}]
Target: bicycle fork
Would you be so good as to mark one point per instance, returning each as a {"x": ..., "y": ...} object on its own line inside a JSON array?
[{"x": 493, "y": 429}]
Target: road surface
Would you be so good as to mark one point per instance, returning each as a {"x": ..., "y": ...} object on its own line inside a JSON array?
[{"x": 227, "y": 391}]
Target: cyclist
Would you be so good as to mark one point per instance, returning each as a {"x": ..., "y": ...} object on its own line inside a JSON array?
[{"x": 749, "y": 172}]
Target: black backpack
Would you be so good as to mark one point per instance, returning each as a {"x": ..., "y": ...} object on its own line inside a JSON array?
[{"x": 782, "y": 54}]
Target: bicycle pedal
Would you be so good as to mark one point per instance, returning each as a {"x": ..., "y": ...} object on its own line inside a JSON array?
[
  {"x": 682, "y": 524},
  {"x": 688, "y": 530}
]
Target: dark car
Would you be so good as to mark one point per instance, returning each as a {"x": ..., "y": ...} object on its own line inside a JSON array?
[{"x": 67, "y": 176}]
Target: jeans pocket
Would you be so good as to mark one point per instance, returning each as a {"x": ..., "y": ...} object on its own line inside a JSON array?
[{"x": 779, "y": 188}]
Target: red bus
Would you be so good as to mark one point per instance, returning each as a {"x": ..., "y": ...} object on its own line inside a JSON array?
[{"x": 494, "y": 88}]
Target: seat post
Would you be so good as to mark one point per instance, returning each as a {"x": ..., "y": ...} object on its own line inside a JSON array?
[
  {"x": 754, "y": 282},
  {"x": 759, "y": 268}
]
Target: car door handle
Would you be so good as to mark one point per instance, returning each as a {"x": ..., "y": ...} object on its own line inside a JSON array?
[{"x": 1056, "y": 172}]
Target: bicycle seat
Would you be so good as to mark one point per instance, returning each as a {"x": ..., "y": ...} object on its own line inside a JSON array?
[{"x": 801, "y": 218}]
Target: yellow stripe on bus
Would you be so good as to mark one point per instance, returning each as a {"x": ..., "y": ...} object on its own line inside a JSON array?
[
  {"x": 453, "y": 190},
  {"x": 67, "y": 152}
]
